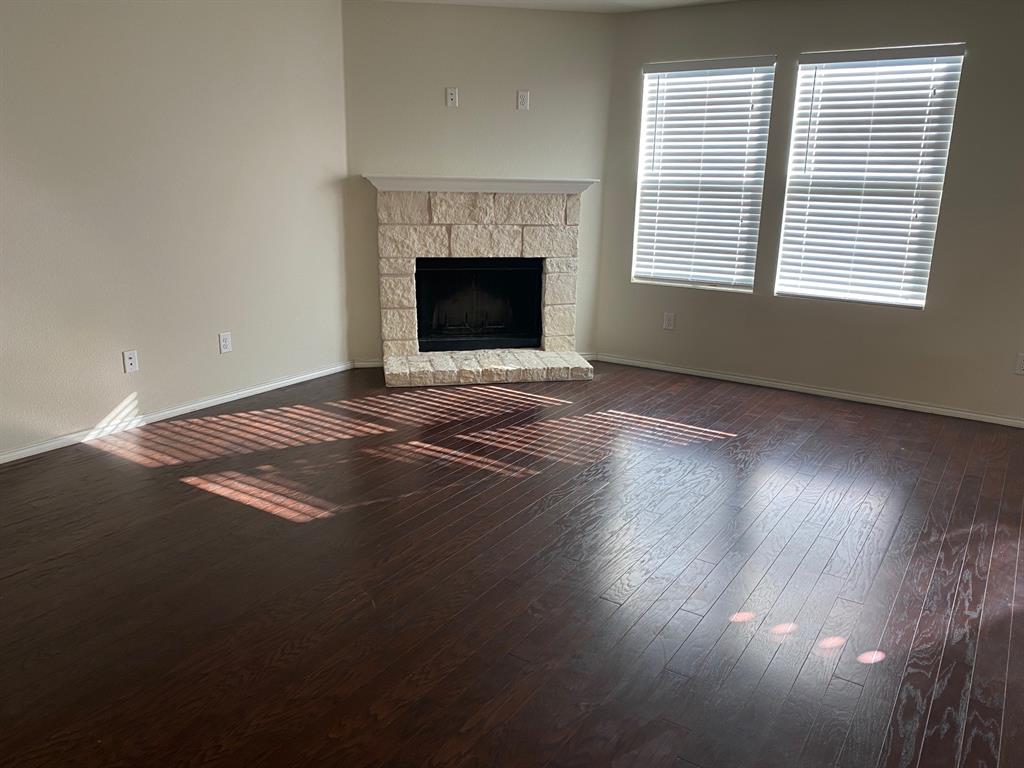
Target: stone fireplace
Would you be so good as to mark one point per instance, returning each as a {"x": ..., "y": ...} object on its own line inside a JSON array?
[{"x": 478, "y": 280}]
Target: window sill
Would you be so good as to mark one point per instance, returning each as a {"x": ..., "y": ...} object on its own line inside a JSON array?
[
  {"x": 840, "y": 300},
  {"x": 700, "y": 286}
]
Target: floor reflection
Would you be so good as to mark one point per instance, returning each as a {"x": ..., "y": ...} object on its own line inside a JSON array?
[
  {"x": 420, "y": 453},
  {"x": 871, "y": 657},
  {"x": 831, "y": 643},
  {"x": 592, "y": 436}
]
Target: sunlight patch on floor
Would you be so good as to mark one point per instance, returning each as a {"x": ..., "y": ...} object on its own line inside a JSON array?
[
  {"x": 267, "y": 496},
  {"x": 183, "y": 441},
  {"x": 435, "y": 406}
]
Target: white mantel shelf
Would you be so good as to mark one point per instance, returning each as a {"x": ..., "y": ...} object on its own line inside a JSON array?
[{"x": 454, "y": 184}]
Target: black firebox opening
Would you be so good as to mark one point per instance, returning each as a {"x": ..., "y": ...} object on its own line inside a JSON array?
[{"x": 478, "y": 303}]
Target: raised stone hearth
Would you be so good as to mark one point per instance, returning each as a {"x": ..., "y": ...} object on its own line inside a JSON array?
[
  {"x": 478, "y": 218},
  {"x": 484, "y": 366}
]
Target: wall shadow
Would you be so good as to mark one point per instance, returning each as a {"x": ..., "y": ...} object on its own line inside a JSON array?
[{"x": 357, "y": 200}]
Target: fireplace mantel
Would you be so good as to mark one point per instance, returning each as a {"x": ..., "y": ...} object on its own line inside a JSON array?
[{"x": 474, "y": 184}]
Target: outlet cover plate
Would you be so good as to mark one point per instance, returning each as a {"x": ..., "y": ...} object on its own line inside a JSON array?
[{"x": 130, "y": 360}]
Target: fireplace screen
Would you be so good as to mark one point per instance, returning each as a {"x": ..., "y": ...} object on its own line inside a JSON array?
[{"x": 478, "y": 303}]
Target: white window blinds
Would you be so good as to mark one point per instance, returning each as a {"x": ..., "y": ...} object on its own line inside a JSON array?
[
  {"x": 870, "y": 137},
  {"x": 703, "y": 142}
]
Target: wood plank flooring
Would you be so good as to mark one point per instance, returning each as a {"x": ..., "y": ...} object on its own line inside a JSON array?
[{"x": 643, "y": 570}]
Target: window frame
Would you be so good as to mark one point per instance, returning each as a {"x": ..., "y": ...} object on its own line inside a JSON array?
[
  {"x": 865, "y": 55},
  {"x": 767, "y": 60}
]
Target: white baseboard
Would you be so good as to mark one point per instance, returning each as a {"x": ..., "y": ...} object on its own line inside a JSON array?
[
  {"x": 178, "y": 410},
  {"x": 910, "y": 405},
  {"x": 238, "y": 394}
]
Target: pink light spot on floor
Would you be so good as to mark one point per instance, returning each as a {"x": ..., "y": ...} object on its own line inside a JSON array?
[
  {"x": 741, "y": 616},
  {"x": 784, "y": 629},
  {"x": 871, "y": 657},
  {"x": 831, "y": 643}
]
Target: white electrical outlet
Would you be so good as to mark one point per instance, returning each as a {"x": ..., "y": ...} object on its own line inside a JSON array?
[
  {"x": 225, "y": 342},
  {"x": 668, "y": 321},
  {"x": 1019, "y": 370},
  {"x": 522, "y": 99},
  {"x": 451, "y": 97},
  {"x": 130, "y": 358}
]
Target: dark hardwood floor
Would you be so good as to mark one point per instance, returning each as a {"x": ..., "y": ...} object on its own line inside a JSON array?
[{"x": 648, "y": 569}]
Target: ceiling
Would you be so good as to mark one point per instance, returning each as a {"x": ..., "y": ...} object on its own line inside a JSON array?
[{"x": 606, "y": 6}]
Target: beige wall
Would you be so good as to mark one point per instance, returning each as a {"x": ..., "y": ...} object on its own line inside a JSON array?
[
  {"x": 399, "y": 58},
  {"x": 168, "y": 170},
  {"x": 960, "y": 350}
]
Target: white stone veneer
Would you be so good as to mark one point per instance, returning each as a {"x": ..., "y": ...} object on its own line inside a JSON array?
[{"x": 422, "y": 224}]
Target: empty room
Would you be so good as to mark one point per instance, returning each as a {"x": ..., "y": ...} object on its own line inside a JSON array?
[{"x": 519, "y": 383}]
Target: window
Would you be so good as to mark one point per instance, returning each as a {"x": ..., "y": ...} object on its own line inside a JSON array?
[
  {"x": 870, "y": 137},
  {"x": 703, "y": 142}
]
